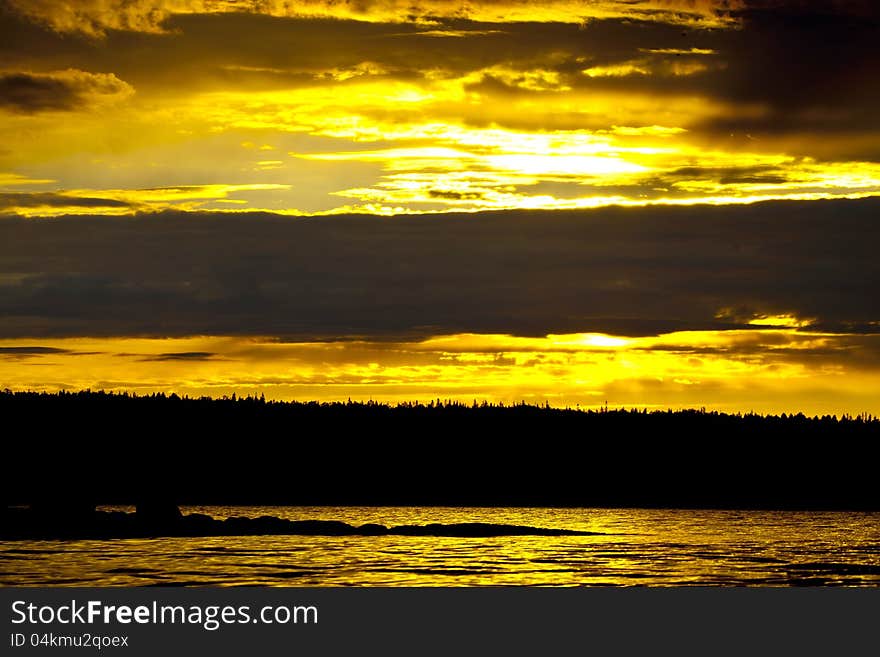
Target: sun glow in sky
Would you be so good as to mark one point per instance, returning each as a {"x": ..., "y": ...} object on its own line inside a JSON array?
[
  {"x": 138, "y": 128},
  {"x": 761, "y": 371}
]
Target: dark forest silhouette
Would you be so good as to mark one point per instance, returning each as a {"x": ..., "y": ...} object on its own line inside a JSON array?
[{"x": 84, "y": 448}]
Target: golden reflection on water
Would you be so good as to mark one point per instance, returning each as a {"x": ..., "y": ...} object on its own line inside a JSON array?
[{"x": 636, "y": 546}]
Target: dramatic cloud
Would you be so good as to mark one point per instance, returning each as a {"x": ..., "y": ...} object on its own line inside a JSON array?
[
  {"x": 462, "y": 115},
  {"x": 25, "y": 352},
  {"x": 402, "y": 190},
  {"x": 94, "y": 17},
  {"x": 47, "y": 203},
  {"x": 776, "y": 370},
  {"x": 620, "y": 271},
  {"x": 59, "y": 90},
  {"x": 184, "y": 356},
  {"x": 122, "y": 201}
]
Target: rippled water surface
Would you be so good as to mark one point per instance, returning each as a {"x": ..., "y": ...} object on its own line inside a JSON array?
[{"x": 635, "y": 546}]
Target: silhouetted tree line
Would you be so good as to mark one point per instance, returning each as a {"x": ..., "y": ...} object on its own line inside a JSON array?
[{"x": 120, "y": 448}]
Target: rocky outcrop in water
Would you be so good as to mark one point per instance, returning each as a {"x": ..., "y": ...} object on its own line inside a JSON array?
[{"x": 36, "y": 524}]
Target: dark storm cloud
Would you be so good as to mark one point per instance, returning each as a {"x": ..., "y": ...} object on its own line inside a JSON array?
[
  {"x": 191, "y": 356},
  {"x": 10, "y": 201},
  {"x": 744, "y": 175},
  {"x": 33, "y": 353},
  {"x": 29, "y": 93},
  {"x": 804, "y": 68},
  {"x": 626, "y": 271},
  {"x": 801, "y": 69},
  {"x": 30, "y": 351},
  {"x": 805, "y": 74},
  {"x": 277, "y": 52},
  {"x": 269, "y": 52}
]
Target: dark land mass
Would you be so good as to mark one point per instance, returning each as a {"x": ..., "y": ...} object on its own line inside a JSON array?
[
  {"x": 75, "y": 450},
  {"x": 42, "y": 523}
]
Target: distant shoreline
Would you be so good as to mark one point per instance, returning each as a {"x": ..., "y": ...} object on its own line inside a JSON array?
[
  {"x": 10, "y": 397},
  {"x": 128, "y": 448}
]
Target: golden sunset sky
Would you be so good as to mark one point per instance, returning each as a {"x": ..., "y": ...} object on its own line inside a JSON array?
[{"x": 658, "y": 203}]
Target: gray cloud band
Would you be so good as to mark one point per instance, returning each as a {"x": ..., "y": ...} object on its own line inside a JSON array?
[{"x": 625, "y": 271}]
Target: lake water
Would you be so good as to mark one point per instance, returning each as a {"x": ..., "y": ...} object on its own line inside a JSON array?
[{"x": 634, "y": 547}]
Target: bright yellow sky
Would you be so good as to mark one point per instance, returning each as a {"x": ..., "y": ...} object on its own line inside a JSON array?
[
  {"x": 760, "y": 370},
  {"x": 384, "y": 107},
  {"x": 442, "y": 106}
]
